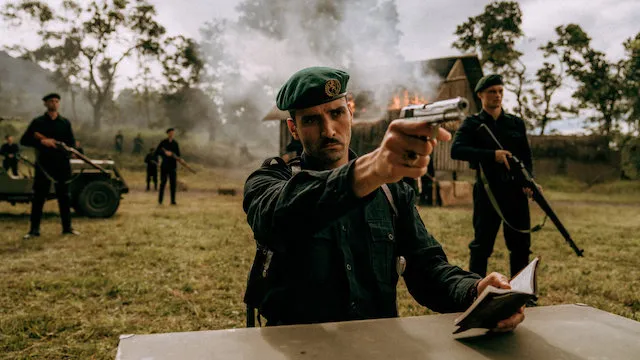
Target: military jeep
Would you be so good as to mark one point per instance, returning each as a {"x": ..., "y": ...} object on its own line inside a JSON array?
[{"x": 93, "y": 193}]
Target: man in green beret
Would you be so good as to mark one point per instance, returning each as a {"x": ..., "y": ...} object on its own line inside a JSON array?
[
  {"x": 333, "y": 238},
  {"x": 53, "y": 164},
  {"x": 475, "y": 145}
]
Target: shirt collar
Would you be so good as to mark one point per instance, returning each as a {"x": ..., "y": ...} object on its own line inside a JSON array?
[{"x": 484, "y": 116}]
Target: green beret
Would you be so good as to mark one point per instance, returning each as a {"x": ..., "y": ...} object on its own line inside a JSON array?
[
  {"x": 488, "y": 81},
  {"x": 312, "y": 86},
  {"x": 51, "y": 96}
]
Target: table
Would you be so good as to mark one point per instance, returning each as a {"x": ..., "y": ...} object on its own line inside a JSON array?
[{"x": 568, "y": 332}]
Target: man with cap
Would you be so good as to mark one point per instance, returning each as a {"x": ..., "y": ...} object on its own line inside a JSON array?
[
  {"x": 10, "y": 151},
  {"x": 52, "y": 163},
  {"x": 168, "y": 150},
  {"x": 474, "y": 144},
  {"x": 338, "y": 237}
]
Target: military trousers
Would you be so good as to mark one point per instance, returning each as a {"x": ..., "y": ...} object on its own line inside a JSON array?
[
  {"x": 152, "y": 175},
  {"x": 486, "y": 223},
  {"x": 11, "y": 164},
  {"x": 41, "y": 188},
  {"x": 172, "y": 176}
]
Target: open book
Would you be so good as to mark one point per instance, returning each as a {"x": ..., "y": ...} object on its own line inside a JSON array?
[{"x": 496, "y": 304}]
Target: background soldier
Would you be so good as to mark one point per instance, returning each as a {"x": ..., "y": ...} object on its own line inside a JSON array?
[
  {"x": 328, "y": 220},
  {"x": 152, "y": 168},
  {"x": 119, "y": 142},
  {"x": 10, "y": 151},
  {"x": 52, "y": 163},
  {"x": 476, "y": 146},
  {"x": 138, "y": 143},
  {"x": 168, "y": 149}
]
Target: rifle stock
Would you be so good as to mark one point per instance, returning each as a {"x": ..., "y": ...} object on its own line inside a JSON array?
[{"x": 181, "y": 161}]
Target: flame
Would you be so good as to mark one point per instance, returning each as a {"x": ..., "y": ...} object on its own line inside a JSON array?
[{"x": 398, "y": 101}]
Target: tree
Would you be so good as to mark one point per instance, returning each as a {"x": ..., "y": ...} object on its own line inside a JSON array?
[
  {"x": 632, "y": 76},
  {"x": 600, "y": 83},
  {"x": 541, "y": 110},
  {"x": 493, "y": 35},
  {"x": 101, "y": 33}
]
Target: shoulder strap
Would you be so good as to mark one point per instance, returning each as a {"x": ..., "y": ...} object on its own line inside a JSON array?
[
  {"x": 389, "y": 196},
  {"x": 496, "y": 207}
]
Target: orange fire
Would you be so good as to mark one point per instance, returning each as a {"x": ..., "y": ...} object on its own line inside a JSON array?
[{"x": 397, "y": 102}]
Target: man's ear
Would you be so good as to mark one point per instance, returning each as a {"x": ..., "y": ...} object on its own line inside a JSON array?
[{"x": 291, "y": 124}]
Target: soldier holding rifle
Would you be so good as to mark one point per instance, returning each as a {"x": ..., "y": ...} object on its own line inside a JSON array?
[
  {"x": 479, "y": 149},
  {"x": 335, "y": 236},
  {"x": 169, "y": 151},
  {"x": 53, "y": 165}
]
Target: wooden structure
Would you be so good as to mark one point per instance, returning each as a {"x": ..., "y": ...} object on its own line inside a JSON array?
[
  {"x": 458, "y": 76},
  {"x": 572, "y": 332}
]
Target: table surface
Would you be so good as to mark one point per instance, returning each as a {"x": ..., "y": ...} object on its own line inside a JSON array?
[{"x": 550, "y": 332}]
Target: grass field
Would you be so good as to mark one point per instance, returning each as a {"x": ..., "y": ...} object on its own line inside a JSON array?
[{"x": 153, "y": 269}]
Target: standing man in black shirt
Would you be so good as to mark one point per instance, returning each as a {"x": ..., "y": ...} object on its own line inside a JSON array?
[
  {"x": 52, "y": 163},
  {"x": 168, "y": 150},
  {"x": 10, "y": 151},
  {"x": 152, "y": 168},
  {"x": 474, "y": 144}
]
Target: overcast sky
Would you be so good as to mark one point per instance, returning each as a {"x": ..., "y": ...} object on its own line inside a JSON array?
[{"x": 428, "y": 26}]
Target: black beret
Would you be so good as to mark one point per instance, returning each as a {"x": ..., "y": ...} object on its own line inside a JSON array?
[
  {"x": 488, "y": 81},
  {"x": 51, "y": 96},
  {"x": 170, "y": 129},
  {"x": 312, "y": 86}
]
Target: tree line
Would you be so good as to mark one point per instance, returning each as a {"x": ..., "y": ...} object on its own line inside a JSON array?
[{"x": 86, "y": 42}]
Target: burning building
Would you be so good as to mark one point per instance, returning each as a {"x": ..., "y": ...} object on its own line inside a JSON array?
[{"x": 457, "y": 76}]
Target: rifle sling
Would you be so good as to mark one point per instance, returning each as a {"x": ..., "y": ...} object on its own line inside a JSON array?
[{"x": 496, "y": 207}]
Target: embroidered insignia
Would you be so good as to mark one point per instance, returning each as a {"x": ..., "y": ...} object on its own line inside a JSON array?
[{"x": 332, "y": 87}]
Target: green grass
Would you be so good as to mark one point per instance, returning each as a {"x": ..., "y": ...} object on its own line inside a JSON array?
[{"x": 154, "y": 269}]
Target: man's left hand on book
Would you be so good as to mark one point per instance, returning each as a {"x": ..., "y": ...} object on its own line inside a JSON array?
[{"x": 500, "y": 281}]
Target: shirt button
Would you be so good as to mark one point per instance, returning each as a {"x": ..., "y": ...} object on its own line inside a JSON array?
[
  {"x": 349, "y": 267},
  {"x": 390, "y": 236}
]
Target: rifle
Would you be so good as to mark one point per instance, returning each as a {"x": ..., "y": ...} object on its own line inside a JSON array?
[
  {"x": 524, "y": 177},
  {"x": 181, "y": 161},
  {"x": 64, "y": 147},
  {"x": 435, "y": 114},
  {"x": 25, "y": 160}
]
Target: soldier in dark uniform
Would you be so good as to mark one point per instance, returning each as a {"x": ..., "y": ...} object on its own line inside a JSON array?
[
  {"x": 328, "y": 219},
  {"x": 152, "y": 168},
  {"x": 476, "y": 146},
  {"x": 138, "y": 143},
  {"x": 168, "y": 149},
  {"x": 52, "y": 163},
  {"x": 10, "y": 151},
  {"x": 119, "y": 142}
]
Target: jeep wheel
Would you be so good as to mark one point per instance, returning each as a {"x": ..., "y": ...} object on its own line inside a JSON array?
[{"x": 98, "y": 199}]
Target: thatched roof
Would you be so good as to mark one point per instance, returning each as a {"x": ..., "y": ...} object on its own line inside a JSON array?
[{"x": 276, "y": 114}]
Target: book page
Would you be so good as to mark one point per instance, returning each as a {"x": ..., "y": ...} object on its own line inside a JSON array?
[{"x": 525, "y": 280}]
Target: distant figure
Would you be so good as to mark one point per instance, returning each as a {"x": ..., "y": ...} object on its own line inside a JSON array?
[
  {"x": 138, "y": 143},
  {"x": 53, "y": 164},
  {"x": 168, "y": 149},
  {"x": 152, "y": 168},
  {"x": 79, "y": 147},
  {"x": 10, "y": 151},
  {"x": 119, "y": 142},
  {"x": 244, "y": 152}
]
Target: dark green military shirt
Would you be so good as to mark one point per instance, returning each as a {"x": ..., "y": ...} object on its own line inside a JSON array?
[
  {"x": 473, "y": 144},
  {"x": 337, "y": 253}
]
